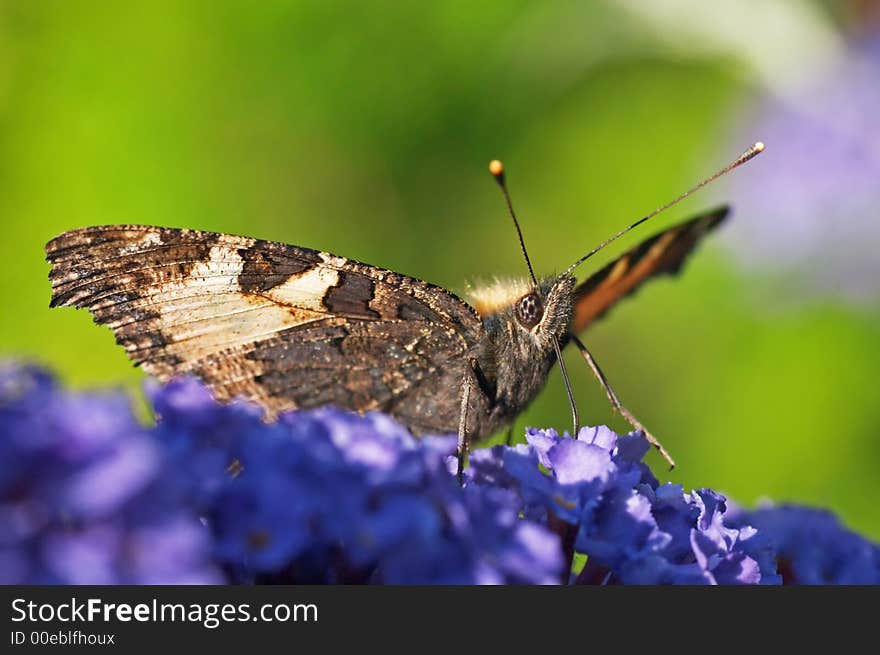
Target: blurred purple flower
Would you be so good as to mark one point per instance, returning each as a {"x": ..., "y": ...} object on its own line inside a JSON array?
[
  {"x": 812, "y": 547},
  {"x": 813, "y": 196},
  {"x": 83, "y": 497}
]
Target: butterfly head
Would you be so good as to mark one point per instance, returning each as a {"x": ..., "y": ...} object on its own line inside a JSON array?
[
  {"x": 545, "y": 310},
  {"x": 542, "y": 311}
]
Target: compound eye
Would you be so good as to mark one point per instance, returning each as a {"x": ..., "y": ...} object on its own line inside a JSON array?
[{"x": 529, "y": 310}]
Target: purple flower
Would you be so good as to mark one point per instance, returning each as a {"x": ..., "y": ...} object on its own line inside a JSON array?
[
  {"x": 330, "y": 496},
  {"x": 214, "y": 493},
  {"x": 84, "y": 493},
  {"x": 631, "y": 529},
  {"x": 812, "y": 547},
  {"x": 715, "y": 545}
]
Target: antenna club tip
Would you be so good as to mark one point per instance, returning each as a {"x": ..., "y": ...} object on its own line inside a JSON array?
[
  {"x": 758, "y": 147},
  {"x": 496, "y": 167}
]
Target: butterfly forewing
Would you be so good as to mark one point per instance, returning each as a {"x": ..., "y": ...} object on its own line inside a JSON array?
[{"x": 663, "y": 253}]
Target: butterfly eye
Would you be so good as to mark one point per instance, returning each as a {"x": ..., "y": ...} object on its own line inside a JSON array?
[{"x": 529, "y": 310}]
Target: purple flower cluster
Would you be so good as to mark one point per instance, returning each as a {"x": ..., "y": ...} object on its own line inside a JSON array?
[
  {"x": 327, "y": 496},
  {"x": 632, "y": 529},
  {"x": 212, "y": 493},
  {"x": 83, "y": 493}
]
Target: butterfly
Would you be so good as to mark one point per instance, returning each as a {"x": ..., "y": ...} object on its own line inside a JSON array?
[{"x": 288, "y": 327}]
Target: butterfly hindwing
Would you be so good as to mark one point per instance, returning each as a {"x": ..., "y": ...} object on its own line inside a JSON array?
[
  {"x": 281, "y": 325},
  {"x": 664, "y": 253}
]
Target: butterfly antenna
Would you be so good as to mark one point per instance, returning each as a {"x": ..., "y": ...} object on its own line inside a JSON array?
[
  {"x": 497, "y": 170},
  {"x": 751, "y": 153}
]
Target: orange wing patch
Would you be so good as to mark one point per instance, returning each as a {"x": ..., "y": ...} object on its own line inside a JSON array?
[{"x": 664, "y": 253}]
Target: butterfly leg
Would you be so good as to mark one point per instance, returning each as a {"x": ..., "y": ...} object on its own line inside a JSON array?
[
  {"x": 616, "y": 404},
  {"x": 467, "y": 385},
  {"x": 509, "y": 439},
  {"x": 568, "y": 391}
]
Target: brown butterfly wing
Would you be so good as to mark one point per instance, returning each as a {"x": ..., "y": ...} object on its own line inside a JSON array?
[
  {"x": 663, "y": 253},
  {"x": 280, "y": 325}
]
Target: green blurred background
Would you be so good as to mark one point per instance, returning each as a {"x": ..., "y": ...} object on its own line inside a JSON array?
[{"x": 365, "y": 128}]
